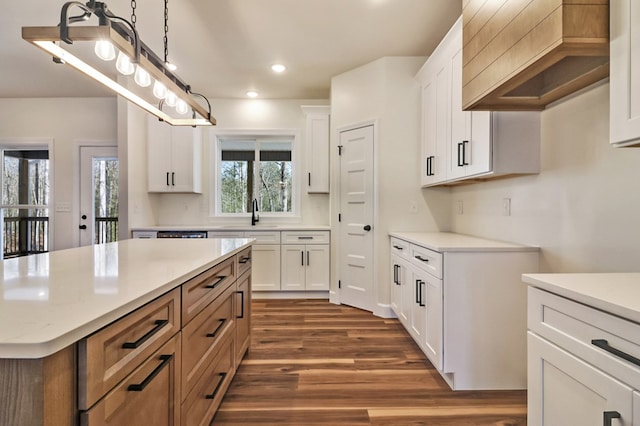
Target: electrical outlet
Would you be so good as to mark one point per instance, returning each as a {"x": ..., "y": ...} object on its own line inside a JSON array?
[
  {"x": 460, "y": 207},
  {"x": 506, "y": 207}
]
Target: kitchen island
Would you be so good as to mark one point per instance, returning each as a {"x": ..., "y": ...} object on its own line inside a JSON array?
[{"x": 77, "y": 325}]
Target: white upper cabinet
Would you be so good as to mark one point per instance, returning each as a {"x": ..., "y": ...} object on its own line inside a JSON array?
[
  {"x": 317, "y": 145},
  {"x": 458, "y": 144},
  {"x": 624, "y": 83},
  {"x": 174, "y": 158}
]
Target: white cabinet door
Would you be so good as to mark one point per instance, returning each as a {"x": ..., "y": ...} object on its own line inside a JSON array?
[
  {"x": 317, "y": 267},
  {"x": 435, "y": 98},
  {"x": 418, "y": 319},
  {"x": 564, "y": 390},
  {"x": 265, "y": 264},
  {"x": 174, "y": 155},
  {"x": 624, "y": 75},
  {"x": 317, "y": 145},
  {"x": 293, "y": 267},
  {"x": 433, "y": 331},
  {"x": 408, "y": 294}
]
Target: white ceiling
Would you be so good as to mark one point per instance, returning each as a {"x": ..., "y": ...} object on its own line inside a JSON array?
[{"x": 224, "y": 48}]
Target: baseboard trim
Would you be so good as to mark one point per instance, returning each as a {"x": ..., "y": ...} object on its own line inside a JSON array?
[{"x": 289, "y": 295}]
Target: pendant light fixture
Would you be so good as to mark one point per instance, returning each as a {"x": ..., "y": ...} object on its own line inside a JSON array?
[{"x": 116, "y": 37}]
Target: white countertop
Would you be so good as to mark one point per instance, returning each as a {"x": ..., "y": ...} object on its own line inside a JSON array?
[
  {"x": 247, "y": 227},
  {"x": 49, "y": 301},
  {"x": 617, "y": 293},
  {"x": 450, "y": 242}
]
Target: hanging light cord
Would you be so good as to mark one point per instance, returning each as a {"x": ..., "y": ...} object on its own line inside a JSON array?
[
  {"x": 166, "y": 31},
  {"x": 134, "y": 18}
]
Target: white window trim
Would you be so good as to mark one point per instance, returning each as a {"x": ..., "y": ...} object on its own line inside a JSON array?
[{"x": 296, "y": 167}]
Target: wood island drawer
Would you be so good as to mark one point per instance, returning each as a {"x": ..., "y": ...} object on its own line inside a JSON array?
[
  {"x": 202, "y": 338},
  {"x": 602, "y": 339},
  {"x": 150, "y": 395},
  {"x": 244, "y": 261},
  {"x": 203, "y": 401},
  {"x": 427, "y": 260},
  {"x": 305, "y": 237},
  {"x": 199, "y": 291},
  {"x": 109, "y": 355}
]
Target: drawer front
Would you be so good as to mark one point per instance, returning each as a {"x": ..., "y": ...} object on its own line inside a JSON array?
[
  {"x": 264, "y": 237},
  {"x": 225, "y": 234},
  {"x": 599, "y": 338},
  {"x": 150, "y": 395},
  {"x": 201, "y": 338},
  {"x": 244, "y": 261},
  {"x": 199, "y": 291},
  {"x": 305, "y": 237},
  {"x": 428, "y": 260},
  {"x": 109, "y": 355},
  {"x": 400, "y": 248},
  {"x": 201, "y": 404}
]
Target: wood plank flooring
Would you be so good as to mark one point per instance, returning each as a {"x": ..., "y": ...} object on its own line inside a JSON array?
[{"x": 314, "y": 363}]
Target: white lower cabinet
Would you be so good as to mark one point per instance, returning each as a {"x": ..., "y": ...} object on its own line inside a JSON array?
[
  {"x": 305, "y": 267},
  {"x": 464, "y": 305},
  {"x": 583, "y": 364},
  {"x": 266, "y": 276}
]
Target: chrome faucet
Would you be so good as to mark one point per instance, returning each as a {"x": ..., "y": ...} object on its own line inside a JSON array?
[{"x": 254, "y": 212}]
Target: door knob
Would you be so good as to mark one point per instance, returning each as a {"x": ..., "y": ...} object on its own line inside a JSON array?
[
  {"x": 84, "y": 216},
  {"x": 83, "y": 227},
  {"x": 367, "y": 227}
]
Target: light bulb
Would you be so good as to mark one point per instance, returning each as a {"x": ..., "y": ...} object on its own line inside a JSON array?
[
  {"x": 159, "y": 90},
  {"x": 124, "y": 65},
  {"x": 105, "y": 50},
  {"x": 171, "y": 66},
  {"x": 142, "y": 77},
  {"x": 182, "y": 107},
  {"x": 171, "y": 99}
]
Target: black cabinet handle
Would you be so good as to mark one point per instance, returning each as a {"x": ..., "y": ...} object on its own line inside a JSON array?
[
  {"x": 82, "y": 226},
  {"x": 220, "y": 278},
  {"x": 603, "y": 344},
  {"x": 167, "y": 178},
  {"x": 608, "y": 416},
  {"x": 301, "y": 257},
  {"x": 367, "y": 228},
  {"x": 460, "y": 159},
  {"x": 244, "y": 260},
  {"x": 309, "y": 178},
  {"x": 422, "y": 284},
  {"x": 215, "y": 332},
  {"x": 139, "y": 387},
  {"x": 303, "y": 237},
  {"x": 430, "y": 165},
  {"x": 395, "y": 274},
  {"x": 173, "y": 179},
  {"x": 308, "y": 258},
  {"x": 418, "y": 291},
  {"x": 464, "y": 153},
  {"x": 399, "y": 275},
  {"x": 421, "y": 258},
  {"x": 215, "y": 391},
  {"x": 133, "y": 345},
  {"x": 241, "y": 293},
  {"x": 397, "y": 247}
]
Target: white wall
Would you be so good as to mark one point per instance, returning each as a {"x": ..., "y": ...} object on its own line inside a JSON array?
[
  {"x": 67, "y": 121},
  {"x": 582, "y": 209},
  {"x": 385, "y": 90},
  {"x": 193, "y": 209}
]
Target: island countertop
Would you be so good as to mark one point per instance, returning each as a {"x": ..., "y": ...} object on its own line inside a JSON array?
[{"x": 49, "y": 301}]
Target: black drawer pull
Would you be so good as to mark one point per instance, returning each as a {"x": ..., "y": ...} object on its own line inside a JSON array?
[
  {"x": 608, "y": 416},
  {"x": 421, "y": 258},
  {"x": 603, "y": 344},
  {"x": 215, "y": 391},
  {"x": 397, "y": 247},
  {"x": 133, "y": 345},
  {"x": 305, "y": 238},
  {"x": 418, "y": 292},
  {"x": 244, "y": 260},
  {"x": 241, "y": 293},
  {"x": 422, "y": 284},
  {"x": 222, "y": 321},
  {"x": 140, "y": 387},
  {"x": 219, "y": 278}
]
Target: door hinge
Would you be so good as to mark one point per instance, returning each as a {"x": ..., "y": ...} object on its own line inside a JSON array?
[
  {"x": 339, "y": 217},
  {"x": 339, "y": 284},
  {"x": 339, "y": 149}
]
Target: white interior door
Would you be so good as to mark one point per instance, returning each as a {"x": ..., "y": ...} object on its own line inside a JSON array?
[
  {"x": 97, "y": 186},
  {"x": 356, "y": 224}
]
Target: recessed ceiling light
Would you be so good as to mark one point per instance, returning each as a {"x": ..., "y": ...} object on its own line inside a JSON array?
[
  {"x": 252, "y": 94},
  {"x": 278, "y": 68}
]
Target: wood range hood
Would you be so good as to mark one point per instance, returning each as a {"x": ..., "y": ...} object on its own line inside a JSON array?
[{"x": 525, "y": 54}]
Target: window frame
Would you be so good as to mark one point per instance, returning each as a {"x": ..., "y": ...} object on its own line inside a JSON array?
[{"x": 263, "y": 135}]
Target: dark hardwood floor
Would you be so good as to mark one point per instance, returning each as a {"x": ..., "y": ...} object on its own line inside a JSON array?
[{"x": 314, "y": 363}]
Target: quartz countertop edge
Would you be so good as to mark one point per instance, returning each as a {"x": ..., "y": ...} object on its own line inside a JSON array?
[
  {"x": 232, "y": 228},
  {"x": 32, "y": 329},
  {"x": 616, "y": 293},
  {"x": 452, "y": 242}
]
